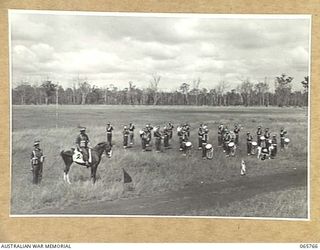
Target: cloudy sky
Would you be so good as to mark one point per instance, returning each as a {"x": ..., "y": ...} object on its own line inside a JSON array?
[{"x": 117, "y": 49}]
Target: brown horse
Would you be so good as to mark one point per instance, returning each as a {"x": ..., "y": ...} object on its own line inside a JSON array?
[{"x": 96, "y": 154}]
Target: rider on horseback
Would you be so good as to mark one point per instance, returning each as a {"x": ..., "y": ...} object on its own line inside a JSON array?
[{"x": 82, "y": 142}]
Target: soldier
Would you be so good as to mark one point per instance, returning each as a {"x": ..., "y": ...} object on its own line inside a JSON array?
[
  {"x": 170, "y": 129},
  {"x": 200, "y": 134},
  {"x": 220, "y": 136},
  {"x": 125, "y": 133},
  {"x": 149, "y": 129},
  {"x": 184, "y": 140},
  {"x": 186, "y": 127},
  {"x": 273, "y": 151},
  {"x": 109, "y": 130},
  {"x": 131, "y": 133},
  {"x": 226, "y": 141},
  {"x": 259, "y": 134},
  {"x": 144, "y": 138},
  {"x": 166, "y": 136},
  {"x": 37, "y": 159},
  {"x": 180, "y": 135},
  {"x": 283, "y": 133},
  {"x": 249, "y": 141},
  {"x": 236, "y": 132},
  {"x": 82, "y": 144},
  {"x": 157, "y": 137},
  {"x": 204, "y": 142},
  {"x": 267, "y": 137}
]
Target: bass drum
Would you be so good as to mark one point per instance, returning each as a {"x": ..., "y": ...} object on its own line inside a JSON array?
[{"x": 209, "y": 151}]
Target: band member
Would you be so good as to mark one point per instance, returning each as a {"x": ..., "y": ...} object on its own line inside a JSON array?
[
  {"x": 109, "y": 130},
  {"x": 249, "y": 141},
  {"x": 184, "y": 140},
  {"x": 283, "y": 133},
  {"x": 166, "y": 136},
  {"x": 200, "y": 134},
  {"x": 259, "y": 134},
  {"x": 157, "y": 137},
  {"x": 204, "y": 142},
  {"x": 125, "y": 133},
  {"x": 131, "y": 133},
  {"x": 267, "y": 137},
  {"x": 82, "y": 144},
  {"x": 220, "y": 136},
  {"x": 187, "y": 128},
  {"x": 236, "y": 132},
  {"x": 144, "y": 135},
  {"x": 149, "y": 129},
  {"x": 180, "y": 135},
  {"x": 37, "y": 159},
  {"x": 170, "y": 129},
  {"x": 273, "y": 150},
  {"x": 226, "y": 141}
]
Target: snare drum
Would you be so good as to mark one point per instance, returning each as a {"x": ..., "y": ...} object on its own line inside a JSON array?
[
  {"x": 208, "y": 146},
  {"x": 231, "y": 144},
  {"x": 188, "y": 144}
]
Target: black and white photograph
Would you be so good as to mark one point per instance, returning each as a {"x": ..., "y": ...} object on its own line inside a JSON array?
[{"x": 161, "y": 115}]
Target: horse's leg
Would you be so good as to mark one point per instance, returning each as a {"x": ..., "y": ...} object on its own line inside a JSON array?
[
  {"x": 66, "y": 173},
  {"x": 93, "y": 173}
]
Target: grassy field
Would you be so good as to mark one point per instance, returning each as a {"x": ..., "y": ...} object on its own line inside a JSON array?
[{"x": 151, "y": 172}]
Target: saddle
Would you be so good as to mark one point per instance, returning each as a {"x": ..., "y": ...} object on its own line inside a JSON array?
[{"x": 77, "y": 156}]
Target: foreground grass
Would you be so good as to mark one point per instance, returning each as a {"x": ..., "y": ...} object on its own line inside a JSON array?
[
  {"x": 290, "y": 203},
  {"x": 151, "y": 172}
]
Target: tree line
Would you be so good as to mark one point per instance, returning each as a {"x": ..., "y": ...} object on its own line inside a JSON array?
[{"x": 246, "y": 93}]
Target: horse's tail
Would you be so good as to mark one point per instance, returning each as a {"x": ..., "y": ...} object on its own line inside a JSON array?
[{"x": 65, "y": 156}]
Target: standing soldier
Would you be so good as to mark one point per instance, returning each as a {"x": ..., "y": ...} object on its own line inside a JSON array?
[
  {"x": 180, "y": 135},
  {"x": 82, "y": 144},
  {"x": 226, "y": 141},
  {"x": 109, "y": 130},
  {"x": 37, "y": 159},
  {"x": 259, "y": 134},
  {"x": 125, "y": 133},
  {"x": 166, "y": 136},
  {"x": 236, "y": 132},
  {"x": 200, "y": 134},
  {"x": 249, "y": 143},
  {"x": 170, "y": 129},
  {"x": 204, "y": 142},
  {"x": 274, "y": 145},
  {"x": 157, "y": 137},
  {"x": 283, "y": 133},
  {"x": 220, "y": 136},
  {"x": 131, "y": 133},
  {"x": 267, "y": 137},
  {"x": 149, "y": 129},
  {"x": 184, "y": 140},
  {"x": 144, "y": 137}
]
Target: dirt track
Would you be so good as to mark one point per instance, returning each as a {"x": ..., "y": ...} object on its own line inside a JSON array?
[{"x": 195, "y": 197}]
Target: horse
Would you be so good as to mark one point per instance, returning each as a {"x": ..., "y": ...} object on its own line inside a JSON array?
[{"x": 96, "y": 154}]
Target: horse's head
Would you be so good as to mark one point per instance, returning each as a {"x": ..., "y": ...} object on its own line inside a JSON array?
[{"x": 106, "y": 147}]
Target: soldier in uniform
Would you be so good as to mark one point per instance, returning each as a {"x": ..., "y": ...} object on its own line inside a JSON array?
[
  {"x": 166, "y": 136},
  {"x": 236, "y": 132},
  {"x": 144, "y": 137},
  {"x": 37, "y": 158},
  {"x": 200, "y": 134},
  {"x": 259, "y": 134},
  {"x": 226, "y": 141},
  {"x": 131, "y": 133},
  {"x": 220, "y": 136},
  {"x": 204, "y": 142},
  {"x": 170, "y": 129},
  {"x": 184, "y": 139},
  {"x": 82, "y": 143},
  {"x": 274, "y": 145},
  {"x": 157, "y": 137},
  {"x": 109, "y": 130},
  {"x": 125, "y": 133},
  {"x": 180, "y": 135},
  {"x": 249, "y": 141},
  {"x": 267, "y": 137},
  {"x": 187, "y": 128},
  {"x": 149, "y": 129},
  {"x": 283, "y": 133}
]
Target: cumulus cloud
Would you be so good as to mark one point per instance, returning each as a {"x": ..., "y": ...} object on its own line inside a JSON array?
[{"x": 118, "y": 49}]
